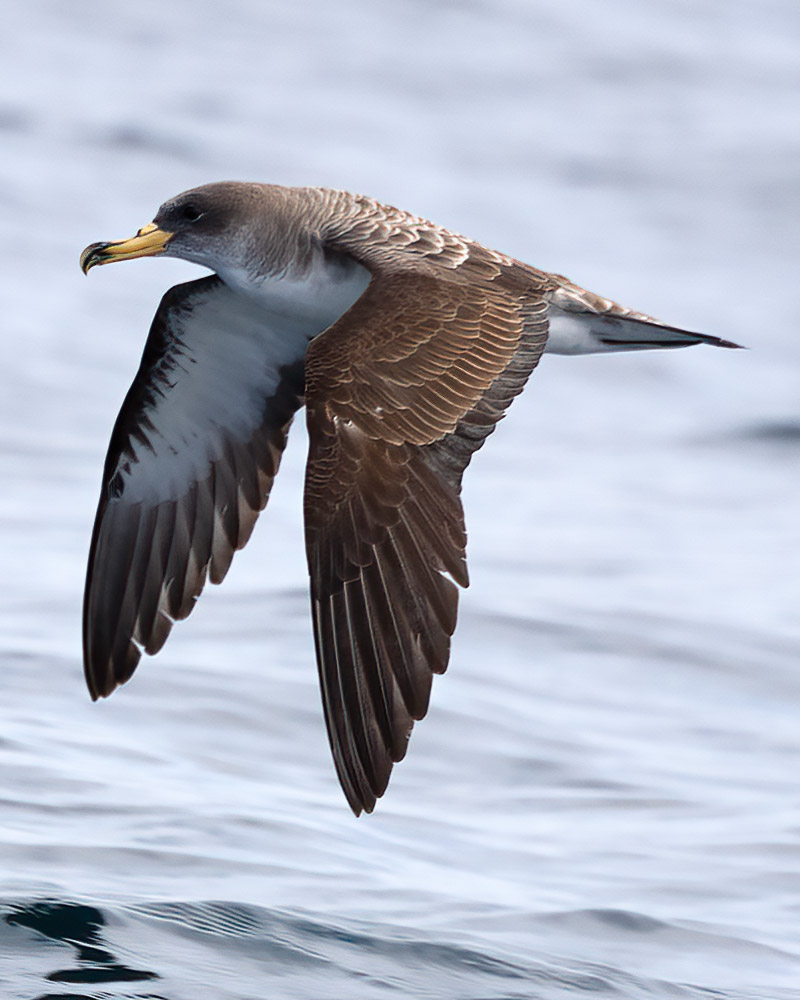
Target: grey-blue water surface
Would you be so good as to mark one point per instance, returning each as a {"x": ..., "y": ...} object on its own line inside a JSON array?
[{"x": 605, "y": 796}]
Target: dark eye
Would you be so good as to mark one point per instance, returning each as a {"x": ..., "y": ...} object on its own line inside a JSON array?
[{"x": 191, "y": 213}]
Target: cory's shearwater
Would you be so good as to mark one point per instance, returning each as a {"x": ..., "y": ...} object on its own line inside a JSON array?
[{"x": 407, "y": 343}]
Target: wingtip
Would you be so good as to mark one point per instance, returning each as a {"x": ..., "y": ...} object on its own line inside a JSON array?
[
  {"x": 95, "y": 691},
  {"x": 100, "y": 684},
  {"x": 88, "y": 677},
  {"x": 358, "y": 807}
]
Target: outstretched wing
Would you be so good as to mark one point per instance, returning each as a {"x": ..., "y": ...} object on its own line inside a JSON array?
[
  {"x": 190, "y": 465},
  {"x": 393, "y": 424}
]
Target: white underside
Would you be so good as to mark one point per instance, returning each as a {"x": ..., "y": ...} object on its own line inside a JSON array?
[
  {"x": 587, "y": 333},
  {"x": 235, "y": 340},
  {"x": 312, "y": 301},
  {"x": 570, "y": 334}
]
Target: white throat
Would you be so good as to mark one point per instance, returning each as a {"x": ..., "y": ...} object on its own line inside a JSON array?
[{"x": 312, "y": 299}]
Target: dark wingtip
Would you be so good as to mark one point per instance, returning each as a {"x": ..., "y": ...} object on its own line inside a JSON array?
[
  {"x": 357, "y": 807},
  {"x": 96, "y": 692}
]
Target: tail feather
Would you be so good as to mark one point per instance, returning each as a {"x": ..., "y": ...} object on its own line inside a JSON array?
[
  {"x": 584, "y": 323},
  {"x": 638, "y": 334}
]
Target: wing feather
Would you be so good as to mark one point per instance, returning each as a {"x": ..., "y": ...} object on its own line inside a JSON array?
[
  {"x": 392, "y": 426},
  {"x": 189, "y": 467}
]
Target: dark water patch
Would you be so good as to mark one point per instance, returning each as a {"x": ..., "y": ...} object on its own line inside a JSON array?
[
  {"x": 783, "y": 433},
  {"x": 79, "y": 926},
  {"x": 95, "y": 996}
]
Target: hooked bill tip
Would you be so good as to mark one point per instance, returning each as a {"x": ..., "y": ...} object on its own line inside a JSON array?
[{"x": 93, "y": 254}]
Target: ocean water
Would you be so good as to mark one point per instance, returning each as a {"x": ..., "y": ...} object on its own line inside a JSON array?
[{"x": 604, "y": 799}]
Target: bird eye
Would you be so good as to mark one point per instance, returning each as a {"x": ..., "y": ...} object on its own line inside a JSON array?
[{"x": 191, "y": 213}]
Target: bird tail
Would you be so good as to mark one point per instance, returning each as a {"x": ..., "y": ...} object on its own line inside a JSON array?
[
  {"x": 583, "y": 323},
  {"x": 614, "y": 333}
]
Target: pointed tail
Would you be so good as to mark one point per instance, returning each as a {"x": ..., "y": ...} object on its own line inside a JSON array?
[{"x": 584, "y": 323}]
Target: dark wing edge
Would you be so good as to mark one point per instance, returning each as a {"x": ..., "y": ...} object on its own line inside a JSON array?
[
  {"x": 385, "y": 532},
  {"x": 148, "y": 562}
]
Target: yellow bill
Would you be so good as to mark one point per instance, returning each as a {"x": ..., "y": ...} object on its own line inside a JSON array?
[{"x": 149, "y": 241}]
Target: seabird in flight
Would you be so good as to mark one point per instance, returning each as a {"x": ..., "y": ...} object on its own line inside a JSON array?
[{"x": 407, "y": 343}]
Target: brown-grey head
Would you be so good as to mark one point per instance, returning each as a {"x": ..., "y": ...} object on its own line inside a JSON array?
[{"x": 229, "y": 225}]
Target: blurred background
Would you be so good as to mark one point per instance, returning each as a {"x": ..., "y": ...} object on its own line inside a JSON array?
[{"x": 605, "y": 796}]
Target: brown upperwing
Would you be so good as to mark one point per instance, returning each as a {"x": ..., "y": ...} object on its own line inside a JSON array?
[{"x": 400, "y": 392}]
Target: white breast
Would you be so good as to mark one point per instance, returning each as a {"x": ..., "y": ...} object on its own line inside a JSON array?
[{"x": 310, "y": 301}]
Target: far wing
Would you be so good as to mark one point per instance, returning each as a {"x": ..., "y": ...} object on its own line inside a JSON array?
[
  {"x": 400, "y": 392},
  {"x": 190, "y": 465}
]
